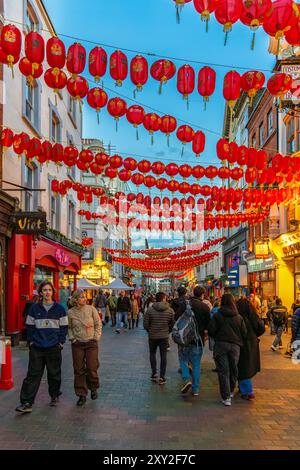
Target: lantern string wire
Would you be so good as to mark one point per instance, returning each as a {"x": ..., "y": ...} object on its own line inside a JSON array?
[{"x": 135, "y": 51}]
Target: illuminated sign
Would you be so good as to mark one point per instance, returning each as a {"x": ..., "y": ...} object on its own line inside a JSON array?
[
  {"x": 294, "y": 94},
  {"x": 261, "y": 250},
  {"x": 291, "y": 250},
  {"x": 62, "y": 257}
]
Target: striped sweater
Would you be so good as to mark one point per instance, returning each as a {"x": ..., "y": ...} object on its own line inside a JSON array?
[
  {"x": 46, "y": 329},
  {"x": 159, "y": 320}
]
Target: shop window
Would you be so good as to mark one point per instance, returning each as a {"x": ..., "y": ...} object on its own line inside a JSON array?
[
  {"x": 270, "y": 122},
  {"x": 55, "y": 124},
  {"x": 261, "y": 134},
  {"x": 41, "y": 274},
  {"x": 31, "y": 18},
  {"x": 290, "y": 137},
  {"x": 71, "y": 220},
  {"x": 72, "y": 110},
  {"x": 32, "y": 103},
  {"x": 31, "y": 181},
  {"x": 55, "y": 209},
  {"x": 254, "y": 141}
]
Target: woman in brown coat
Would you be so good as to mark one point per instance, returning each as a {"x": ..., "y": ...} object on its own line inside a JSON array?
[{"x": 85, "y": 329}]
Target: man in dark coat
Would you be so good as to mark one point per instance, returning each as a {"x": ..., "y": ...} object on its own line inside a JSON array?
[
  {"x": 179, "y": 304},
  {"x": 249, "y": 361},
  {"x": 279, "y": 317}
]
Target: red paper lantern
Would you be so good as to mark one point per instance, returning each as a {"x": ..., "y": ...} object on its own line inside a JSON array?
[
  {"x": 56, "y": 53},
  {"x": 86, "y": 156},
  {"x": 55, "y": 79},
  {"x": 250, "y": 175},
  {"x": 252, "y": 158},
  {"x": 97, "y": 63},
  {"x": 242, "y": 155},
  {"x": 111, "y": 173},
  {"x": 70, "y": 155},
  {"x": 116, "y": 161},
  {"x": 262, "y": 160},
  {"x": 185, "y": 170},
  {"x": 184, "y": 187},
  {"x": 198, "y": 143},
  {"x": 144, "y": 166},
  {"x": 158, "y": 168},
  {"x": 279, "y": 84},
  {"x": 251, "y": 82},
  {"x": 55, "y": 186},
  {"x": 97, "y": 98},
  {"x": 227, "y": 13},
  {"x": 292, "y": 36},
  {"x": 130, "y": 164},
  {"x": 162, "y": 184},
  {"x": 173, "y": 186},
  {"x": 118, "y": 67},
  {"x": 137, "y": 179},
  {"x": 198, "y": 171},
  {"x": 7, "y": 137},
  {"x": 236, "y": 173},
  {"x": 185, "y": 134},
  {"x": 152, "y": 122},
  {"x": 172, "y": 169},
  {"x": 21, "y": 143},
  {"x": 232, "y": 87},
  {"x": 205, "y": 8},
  {"x": 11, "y": 43},
  {"x": 206, "y": 82},
  {"x": 162, "y": 70},
  {"x": 139, "y": 71},
  {"x": 211, "y": 172},
  {"x": 168, "y": 125},
  {"x": 96, "y": 170},
  {"x": 149, "y": 181},
  {"x": 47, "y": 150},
  {"x": 30, "y": 71},
  {"x": 34, "y": 149},
  {"x": 224, "y": 173},
  {"x": 124, "y": 175},
  {"x": 135, "y": 115},
  {"x": 186, "y": 80},
  {"x": 280, "y": 18},
  {"x": 253, "y": 14},
  {"x": 78, "y": 87},
  {"x": 101, "y": 158},
  {"x": 76, "y": 59},
  {"x": 34, "y": 48},
  {"x": 117, "y": 108}
]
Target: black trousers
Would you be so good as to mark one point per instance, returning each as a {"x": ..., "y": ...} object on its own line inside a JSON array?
[
  {"x": 162, "y": 344},
  {"x": 226, "y": 356},
  {"x": 38, "y": 359}
]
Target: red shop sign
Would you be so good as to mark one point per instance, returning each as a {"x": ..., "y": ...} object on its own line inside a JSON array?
[{"x": 62, "y": 257}]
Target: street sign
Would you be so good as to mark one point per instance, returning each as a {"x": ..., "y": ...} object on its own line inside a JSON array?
[
  {"x": 30, "y": 223},
  {"x": 261, "y": 250}
]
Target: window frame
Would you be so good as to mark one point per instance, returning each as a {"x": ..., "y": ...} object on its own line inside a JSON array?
[
  {"x": 71, "y": 171},
  {"x": 73, "y": 110},
  {"x": 32, "y": 183},
  {"x": 71, "y": 227},
  {"x": 270, "y": 118},
  {"x": 29, "y": 6},
  {"x": 261, "y": 134},
  {"x": 34, "y": 123},
  {"x": 53, "y": 112},
  {"x": 290, "y": 136}
]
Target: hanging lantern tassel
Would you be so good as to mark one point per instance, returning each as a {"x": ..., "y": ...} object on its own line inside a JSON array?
[
  {"x": 182, "y": 150},
  {"x": 137, "y": 133},
  {"x": 178, "y": 8},
  {"x": 134, "y": 93},
  {"x": 168, "y": 140},
  {"x": 117, "y": 121},
  {"x": 253, "y": 40},
  {"x": 10, "y": 60},
  {"x": 98, "y": 116},
  {"x": 152, "y": 139},
  {"x": 163, "y": 80}
]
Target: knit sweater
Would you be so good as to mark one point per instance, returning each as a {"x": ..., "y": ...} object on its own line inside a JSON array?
[{"x": 84, "y": 323}]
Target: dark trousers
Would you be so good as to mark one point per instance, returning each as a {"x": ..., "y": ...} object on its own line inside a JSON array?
[
  {"x": 85, "y": 364},
  {"x": 134, "y": 323},
  {"x": 38, "y": 359},
  {"x": 113, "y": 314},
  {"x": 153, "y": 345},
  {"x": 226, "y": 356}
]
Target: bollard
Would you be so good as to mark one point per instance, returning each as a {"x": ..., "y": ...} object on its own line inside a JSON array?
[{"x": 6, "y": 380}]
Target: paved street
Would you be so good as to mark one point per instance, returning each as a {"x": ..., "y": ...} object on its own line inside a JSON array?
[{"x": 133, "y": 413}]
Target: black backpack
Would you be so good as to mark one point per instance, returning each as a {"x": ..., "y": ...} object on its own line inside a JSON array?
[{"x": 278, "y": 317}]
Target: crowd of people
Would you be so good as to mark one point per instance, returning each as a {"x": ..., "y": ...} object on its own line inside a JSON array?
[{"x": 231, "y": 327}]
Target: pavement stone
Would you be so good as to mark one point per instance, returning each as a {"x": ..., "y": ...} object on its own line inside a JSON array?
[{"x": 133, "y": 413}]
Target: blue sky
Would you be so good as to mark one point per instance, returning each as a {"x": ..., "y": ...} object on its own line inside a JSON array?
[{"x": 150, "y": 26}]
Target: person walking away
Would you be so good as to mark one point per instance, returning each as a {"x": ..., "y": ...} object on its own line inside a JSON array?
[
  {"x": 295, "y": 304},
  {"x": 123, "y": 308},
  {"x": 192, "y": 353},
  {"x": 135, "y": 310},
  {"x": 107, "y": 311},
  {"x": 211, "y": 341},
  {"x": 296, "y": 326},
  {"x": 278, "y": 315},
  {"x": 264, "y": 311},
  {"x": 158, "y": 322},
  {"x": 85, "y": 328},
  {"x": 228, "y": 329},
  {"x": 47, "y": 327},
  {"x": 112, "y": 305},
  {"x": 179, "y": 304},
  {"x": 249, "y": 361},
  {"x": 100, "y": 305}
]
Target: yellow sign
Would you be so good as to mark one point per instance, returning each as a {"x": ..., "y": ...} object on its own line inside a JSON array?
[{"x": 261, "y": 250}]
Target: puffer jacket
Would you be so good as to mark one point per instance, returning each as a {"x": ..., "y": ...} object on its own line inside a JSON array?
[
  {"x": 227, "y": 325},
  {"x": 296, "y": 325},
  {"x": 159, "y": 320}
]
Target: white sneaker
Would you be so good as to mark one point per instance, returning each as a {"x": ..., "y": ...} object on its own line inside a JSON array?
[
  {"x": 226, "y": 402},
  {"x": 232, "y": 395},
  {"x": 273, "y": 348}
]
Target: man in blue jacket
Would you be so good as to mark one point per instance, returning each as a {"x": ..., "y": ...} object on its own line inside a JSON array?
[{"x": 47, "y": 328}]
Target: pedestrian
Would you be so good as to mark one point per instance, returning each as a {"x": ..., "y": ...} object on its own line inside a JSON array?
[
  {"x": 228, "y": 329},
  {"x": 47, "y": 327},
  {"x": 249, "y": 361},
  {"x": 158, "y": 322},
  {"x": 85, "y": 329},
  {"x": 295, "y": 304},
  {"x": 264, "y": 311},
  {"x": 112, "y": 305},
  {"x": 107, "y": 311},
  {"x": 211, "y": 341},
  {"x": 192, "y": 353},
  {"x": 296, "y": 326},
  {"x": 123, "y": 309},
  {"x": 149, "y": 302},
  {"x": 135, "y": 310},
  {"x": 179, "y": 304},
  {"x": 279, "y": 316},
  {"x": 100, "y": 305}
]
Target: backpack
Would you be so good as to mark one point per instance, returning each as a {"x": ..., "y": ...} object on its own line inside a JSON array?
[
  {"x": 278, "y": 317},
  {"x": 185, "y": 330}
]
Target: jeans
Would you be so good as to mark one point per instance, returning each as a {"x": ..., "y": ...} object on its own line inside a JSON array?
[
  {"x": 153, "y": 345},
  {"x": 246, "y": 386},
  {"x": 278, "y": 332},
  {"x": 122, "y": 316},
  {"x": 191, "y": 354},
  {"x": 38, "y": 359},
  {"x": 226, "y": 356}
]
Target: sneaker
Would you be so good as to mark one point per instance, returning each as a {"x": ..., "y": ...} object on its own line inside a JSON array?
[
  {"x": 118, "y": 331},
  {"x": 232, "y": 395},
  {"x": 245, "y": 397},
  {"x": 186, "y": 386},
  {"x": 154, "y": 377},
  {"x": 195, "y": 394},
  {"x": 226, "y": 402},
  {"x": 280, "y": 347},
  {"x": 24, "y": 408},
  {"x": 162, "y": 381},
  {"x": 81, "y": 401},
  {"x": 54, "y": 401},
  {"x": 94, "y": 394},
  {"x": 273, "y": 348}
]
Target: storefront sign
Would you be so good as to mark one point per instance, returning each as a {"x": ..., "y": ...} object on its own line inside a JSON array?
[
  {"x": 255, "y": 265},
  {"x": 261, "y": 250},
  {"x": 62, "y": 257},
  {"x": 233, "y": 277},
  {"x": 294, "y": 94},
  {"x": 291, "y": 250},
  {"x": 30, "y": 223}
]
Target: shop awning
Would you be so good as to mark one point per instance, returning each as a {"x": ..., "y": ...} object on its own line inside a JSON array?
[
  {"x": 118, "y": 284},
  {"x": 86, "y": 284}
]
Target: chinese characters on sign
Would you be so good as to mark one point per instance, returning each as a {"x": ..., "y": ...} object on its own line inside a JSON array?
[{"x": 262, "y": 250}]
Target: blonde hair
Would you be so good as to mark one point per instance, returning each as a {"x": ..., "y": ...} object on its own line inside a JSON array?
[{"x": 75, "y": 297}]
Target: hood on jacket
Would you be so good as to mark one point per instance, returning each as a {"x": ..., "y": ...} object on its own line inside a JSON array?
[
  {"x": 227, "y": 312},
  {"x": 161, "y": 306}
]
